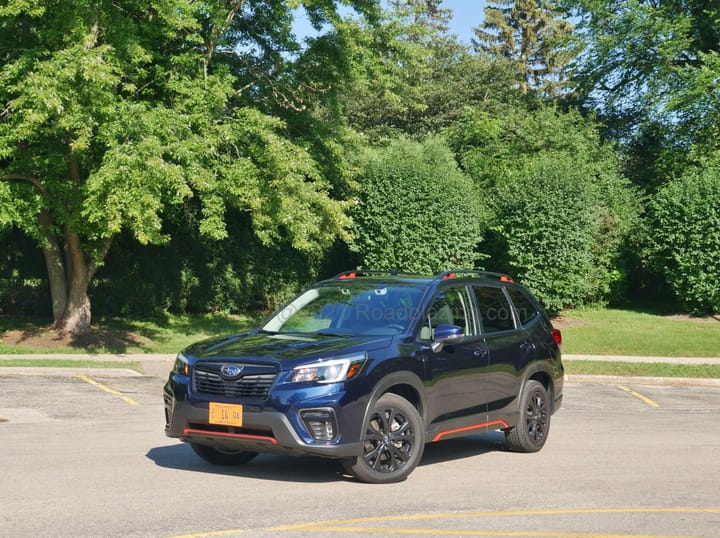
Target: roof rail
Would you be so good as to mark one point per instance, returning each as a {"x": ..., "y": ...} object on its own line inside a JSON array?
[
  {"x": 354, "y": 273},
  {"x": 455, "y": 273}
]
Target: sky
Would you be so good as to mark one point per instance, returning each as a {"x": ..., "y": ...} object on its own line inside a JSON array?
[{"x": 466, "y": 15}]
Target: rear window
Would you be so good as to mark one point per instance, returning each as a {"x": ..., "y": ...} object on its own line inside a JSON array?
[
  {"x": 495, "y": 312},
  {"x": 523, "y": 306}
]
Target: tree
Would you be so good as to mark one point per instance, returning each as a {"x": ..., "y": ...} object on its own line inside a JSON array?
[
  {"x": 416, "y": 210},
  {"x": 109, "y": 113},
  {"x": 412, "y": 78},
  {"x": 651, "y": 63},
  {"x": 529, "y": 33},
  {"x": 561, "y": 213},
  {"x": 683, "y": 237}
]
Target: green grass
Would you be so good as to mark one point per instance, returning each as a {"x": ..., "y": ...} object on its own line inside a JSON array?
[
  {"x": 74, "y": 363},
  {"x": 639, "y": 333},
  {"x": 643, "y": 369},
  {"x": 166, "y": 335}
]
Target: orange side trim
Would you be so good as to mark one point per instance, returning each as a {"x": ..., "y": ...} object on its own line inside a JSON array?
[{"x": 500, "y": 423}]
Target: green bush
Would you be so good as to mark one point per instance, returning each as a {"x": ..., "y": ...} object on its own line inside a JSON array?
[
  {"x": 683, "y": 237},
  {"x": 194, "y": 275},
  {"x": 562, "y": 214},
  {"x": 560, "y": 232},
  {"x": 416, "y": 210}
]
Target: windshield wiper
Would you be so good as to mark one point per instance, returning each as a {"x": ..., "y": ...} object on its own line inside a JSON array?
[{"x": 327, "y": 332}]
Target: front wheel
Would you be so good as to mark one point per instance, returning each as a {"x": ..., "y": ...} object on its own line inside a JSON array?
[
  {"x": 532, "y": 430},
  {"x": 393, "y": 442},
  {"x": 217, "y": 456}
]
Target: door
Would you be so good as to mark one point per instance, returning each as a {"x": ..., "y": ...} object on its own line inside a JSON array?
[
  {"x": 510, "y": 349},
  {"x": 454, "y": 374}
]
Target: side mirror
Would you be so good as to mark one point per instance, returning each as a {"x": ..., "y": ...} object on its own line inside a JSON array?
[{"x": 447, "y": 334}]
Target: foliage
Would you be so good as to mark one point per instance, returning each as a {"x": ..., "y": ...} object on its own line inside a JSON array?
[
  {"x": 683, "y": 237},
  {"x": 416, "y": 210},
  {"x": 561, "y": 211},
  {"x": 530, "y": 34},
  {"x": 648, "y": 61},
  {"x": 411, "y": 78},
  {"x": 113, "y": 114}
]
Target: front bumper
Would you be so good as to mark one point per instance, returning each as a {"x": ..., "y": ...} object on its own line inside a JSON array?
[{"x": 264, "y": 429}]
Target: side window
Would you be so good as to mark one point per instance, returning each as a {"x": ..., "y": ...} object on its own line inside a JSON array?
[
  {"x": 526, "y": 311},
  {"x": 450, "y": 307},
  {"x": 494, "y": 309}
]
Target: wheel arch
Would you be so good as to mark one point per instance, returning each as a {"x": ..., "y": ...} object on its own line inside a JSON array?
[
  {"x": 405, "y": 384},
  {"x": 542, "y": 376}
]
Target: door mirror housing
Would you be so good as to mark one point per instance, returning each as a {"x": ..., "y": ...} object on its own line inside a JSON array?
[{"x": 447, "y": 334}]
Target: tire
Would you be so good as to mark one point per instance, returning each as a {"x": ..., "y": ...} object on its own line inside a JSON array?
[
  {"x": 222, "y": 457},
  {"x": 393, "y": 442},
  {"x": 534, "y": 425}
]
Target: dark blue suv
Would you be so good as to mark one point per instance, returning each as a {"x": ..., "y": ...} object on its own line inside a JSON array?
[{"x": 369, "y": 366}]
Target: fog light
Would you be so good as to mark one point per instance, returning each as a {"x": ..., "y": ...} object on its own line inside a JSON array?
[{"x": 321, "y": 423}]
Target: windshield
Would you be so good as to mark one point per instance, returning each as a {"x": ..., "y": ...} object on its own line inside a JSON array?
[{"x": 349, "y": 308}]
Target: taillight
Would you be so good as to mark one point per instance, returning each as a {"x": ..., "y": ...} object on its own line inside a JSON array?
[{"x": 557, "y": 336}]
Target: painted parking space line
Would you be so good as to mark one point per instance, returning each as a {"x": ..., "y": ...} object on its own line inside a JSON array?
[
  {"x": 107, "y": 389},
  {"x": 374, "y": 525},
  {"x": 365, "y": 525},
  {"x": 639, "y": 396},
  {"x": 390, "y": 531}
]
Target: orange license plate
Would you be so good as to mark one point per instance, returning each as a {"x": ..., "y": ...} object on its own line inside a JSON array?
[{"x": 225, "y": 414}]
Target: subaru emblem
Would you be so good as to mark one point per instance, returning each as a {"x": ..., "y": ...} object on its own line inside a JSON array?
[{"x": 231, "y": 371}]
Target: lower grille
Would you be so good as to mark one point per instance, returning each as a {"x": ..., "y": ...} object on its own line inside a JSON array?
[{"x": 248, "y": 386}]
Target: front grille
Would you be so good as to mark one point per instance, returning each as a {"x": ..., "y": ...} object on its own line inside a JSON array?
[{"x": 255, "y": 384}]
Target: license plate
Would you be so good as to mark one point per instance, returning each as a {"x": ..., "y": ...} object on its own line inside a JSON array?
[{"x": 225, "y": 414}]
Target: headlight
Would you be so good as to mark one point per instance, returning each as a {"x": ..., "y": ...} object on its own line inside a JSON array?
[
  {"x": 330, "y": 371},
  {"x": 182, "y": 366}
]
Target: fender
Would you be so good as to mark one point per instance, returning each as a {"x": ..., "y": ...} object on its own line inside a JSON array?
[
  {"x": 402, "y": 377},
  {"x": 534, "y": 369}
]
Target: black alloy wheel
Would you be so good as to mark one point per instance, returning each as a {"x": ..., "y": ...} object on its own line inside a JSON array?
[
  {"x": 393, "y": 442},
  {"x": 532, "y": 430}
]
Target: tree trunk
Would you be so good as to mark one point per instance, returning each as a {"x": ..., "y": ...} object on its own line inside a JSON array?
[
  {"x": 69, "y": 275},
  {"x": 55, "y": 268},
  {"x": 77, "y": 316}
]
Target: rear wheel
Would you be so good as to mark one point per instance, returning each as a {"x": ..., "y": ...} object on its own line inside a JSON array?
[
  {"x": 217, "y": 456},
  {"x": 532, "y": 430},
  {"x": 393, "y": 442}
]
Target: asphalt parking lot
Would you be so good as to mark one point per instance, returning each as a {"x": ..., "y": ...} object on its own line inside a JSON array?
[{"x": 84, "y": 454}]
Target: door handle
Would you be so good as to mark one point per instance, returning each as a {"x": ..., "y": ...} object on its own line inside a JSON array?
[{"x": 480, "y": 352}]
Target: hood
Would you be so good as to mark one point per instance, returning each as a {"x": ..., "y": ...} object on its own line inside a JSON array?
[{"x": 283, "y": 347}]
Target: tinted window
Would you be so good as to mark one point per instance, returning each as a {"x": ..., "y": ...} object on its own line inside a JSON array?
[
  {"x": 494, "y": 309},
  {"x": 450, "y": 307},
  {"x": 353, "y": 308},
  {"x": 525, "y": 309}
]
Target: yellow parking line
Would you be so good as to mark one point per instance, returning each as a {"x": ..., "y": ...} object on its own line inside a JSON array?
[
  {"x": 347, "y": 526},
  {"x": 639, "y": 396},
  {"x": 107, "y": 389},
  {"x": 339, "y": 527},
  {"x": 389, "y": 531}
]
